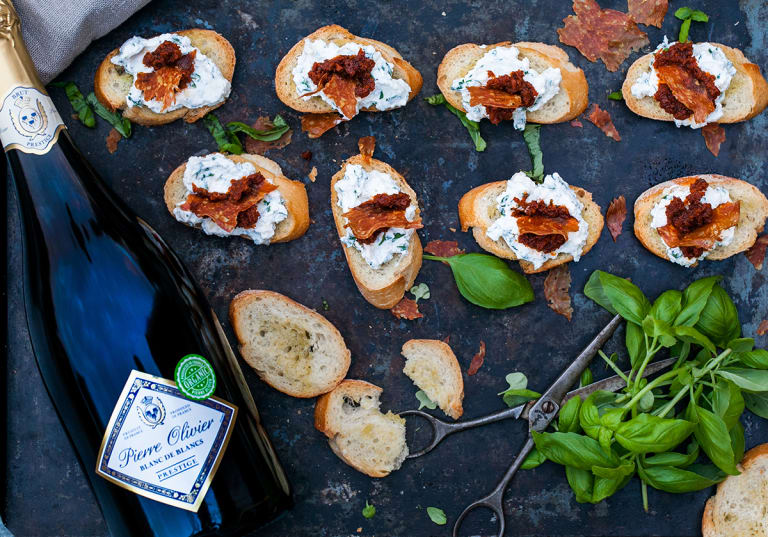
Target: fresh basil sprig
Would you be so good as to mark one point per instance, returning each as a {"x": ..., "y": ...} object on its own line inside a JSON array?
[
  {"x": 532, "y": 135},
  {"x": 473, "y": 127},
  {"x": 76, "y": 99},
  {"x": 279, "y": 127},
  {"x": 121, "y": 124},
  {"x": 226, "y": 140},
  {"x": 680, "y": 431},
  {"x": 369, "y": 510},
  {"x": 687, "y": 15},
  {"x": 487, "y": 281}
]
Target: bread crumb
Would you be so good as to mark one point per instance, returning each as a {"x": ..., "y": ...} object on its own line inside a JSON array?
[
  {"x": 112, "y": 140},
  {"x": 313, "y": 174},
  {"x": 359, "y": 530},
  {"x": 453, "y": 229}
]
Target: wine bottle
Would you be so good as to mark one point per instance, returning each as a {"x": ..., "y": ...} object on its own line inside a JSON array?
[{"x": 134, "y": 359}]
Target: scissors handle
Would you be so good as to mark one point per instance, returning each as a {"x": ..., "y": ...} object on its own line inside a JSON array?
[
  {"x": 441, "y": 429},
  {"x": 495, "y": 500}
]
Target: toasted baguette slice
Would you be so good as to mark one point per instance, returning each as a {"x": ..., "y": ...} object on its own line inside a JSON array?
[
  {"x": 294, "y": 193},
  {"x": 385, "y": 286},
  {"x": 746, "y": 97},
  {"x": 357, "y": 431},
  {"x": 432, "y": 366},
  {"x": 112, "y": 86},
  {"x": 286, "y": 89},
  {"x": 739, "y": 507},
  {"x": 291, "y": 347},
  {"x": 569, "y": 102},
  {"x": 754, "y": 211},
  {"x": 478, "y": 210}
]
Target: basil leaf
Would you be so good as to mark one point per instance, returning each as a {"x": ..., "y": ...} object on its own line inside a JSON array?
[
  {"x": 756, "y": 359},
  {"x": 518, "y": 397},
  {"x": 368, "y": 510},
  {"x": 757, "y": 403},
  {"x": 616, "y": 96},
  {"x": 683, "y": 13},
  {"x": 437, "y": 516},
  {"x": 531, "y": 135},
  {"x": 586, "y": 377},
  {"x": 738, "y": 442},
  {"x": 699, "y": 16},
  {"x": 420, "y": 291},
  {"x": 581, "y": 482},
  {"x": 750, "y": 380},
  {"x": 743, "y": 344},
  {"x": 667, "y": 306},
  {"x": 695, "y": 297},
  {"x": 473, "y": 127},
  {"x": 226, "y": 140},
  {"x": 589, "y": 417},
  {"x": 593, "y": 290},
  {"x": 606, "y": 486},
  {"x": 719, "y": 319},
  {"x": 673, "y": 458},
  {"x": 712, "y": 435},
  {"x": 727, "y": 402},
  {"x": 659, "y": 329},
  {"x": 487, "y": 281},
  {"x": 618, "y": 472},
  {"x": 647, "y": 433},
  {"x": 677, "y": 480},
  {"x": 279, "y": 128},
  {"x": 120, "y": 124},
  {"x": 425, "y": 401},
  {"x": 568, "y": 417},
  {"x": 635, "y": 343},
  {"x": 79, "y": 105},
  {"x": 625, "y": 297},
  {"x": 691, "y": 335},
  {"x": 572, "y": 449},
  {"x": 533, "y": 460},
  {"x": 684, "y": 30}
]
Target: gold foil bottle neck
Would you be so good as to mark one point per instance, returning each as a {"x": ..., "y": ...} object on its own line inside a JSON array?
[
  {"x": 16, "y": 66},
  {"x": 9, "y": 20}
]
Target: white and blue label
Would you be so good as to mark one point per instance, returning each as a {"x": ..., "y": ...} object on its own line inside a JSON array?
[
  {"x": 29, "y": 121},
  {"x": 163, "y": 445}
]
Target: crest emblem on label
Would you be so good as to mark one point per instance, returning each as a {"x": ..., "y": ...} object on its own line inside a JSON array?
[
  {"x": 29, "y": 121},
  {"x": 162, "y": 445}
]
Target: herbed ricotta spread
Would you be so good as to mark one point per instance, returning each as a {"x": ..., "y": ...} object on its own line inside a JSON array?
[
  {"x": 503, "y": 61},
  {"x": 208, "y": 86},
  {"x": 553, "y": 189},
  {"x": 358, "y": 186},
  {"x": 714, "y": 195},
  {"x": 215, "y": 173},
  {"x": 388, "y": 93},
  {"x": 711, "y": 59}
]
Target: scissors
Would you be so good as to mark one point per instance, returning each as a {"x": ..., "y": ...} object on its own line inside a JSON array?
[{"x": 539, "y": 414}]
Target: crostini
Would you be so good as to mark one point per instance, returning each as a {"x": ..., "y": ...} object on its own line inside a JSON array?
[
  {"x": 692, "y": 218},
  {"x": 292, "y": 348},
  {"x": 358, "y": 432},
  {"x": 332, "y": 70},
  {"x": 541, "y": 224},
  {"x": 177, "y": 75},
  {"x": 377, "y": 215},
  {"x": 513, "y": 81},
  {"x": 695, "y": 84},
  {"x": 238, "y": 195}
]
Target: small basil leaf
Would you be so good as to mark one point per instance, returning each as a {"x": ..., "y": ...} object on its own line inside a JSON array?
[
  {"x": 572, "y": 449},
  {"x": 533, "y": 460},
  {"x": 628, "y": 300},
  {"x": 691, "y": 335},
  {"x": 435, "y": 100},
  {"x": 531, "y": 135},
  {"x": 757, "y": 403},
  {"x": 120, "y": 124},
  {"x": 695, "y": 297},
  {"x": 586, "y": 377},
  {"x": 647, "y": 433},
  {"x": 473, "y": 127},
  {"x": 719, "y": 320},
  {"x": 676, "y": 480},
  {"x": 712, "y": 435},
  {"x": 616, "y": 96},
  {"x": 683, "y": 13},
  {"x": 727, "y": 402},
  {"x": 756, "y": 359},
  {"x": 279, "y": 128},
  {"x": 635, "y": 343},
  {"x": 437, "y": 515},
  {"x": 78, "y": 102},
  {"x": 699, "y": 16},
  {"x": 425, "y": 401},
  {"x": 667, "y": 306},
  {"x": 513, "y": 398},
  {"x": 743, "y": 344},
  {"x": 568, "y": 418},
  {"x": 226, "y": 140},
  {"x": 684, "y": 30},
  {"x": 369, "y": 510},
  {"x": 749, "y": 380},
  {"x": 593, "y": 290}
]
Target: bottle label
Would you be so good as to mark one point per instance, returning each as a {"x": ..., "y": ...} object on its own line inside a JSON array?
[
  {"x": 29, "y": 121},
  {"x": 162, "y": 445}
]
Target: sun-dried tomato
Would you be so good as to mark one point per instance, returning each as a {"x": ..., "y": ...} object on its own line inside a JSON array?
[
  {"x": 356, "y": 68},
  {"x": 383, "y": 211},
  {"x": 171, "y": 73},
  {"x": 543, "y": 226},
  {"x": 501, "y": 95},
  {"x": 692, "y": 88}
]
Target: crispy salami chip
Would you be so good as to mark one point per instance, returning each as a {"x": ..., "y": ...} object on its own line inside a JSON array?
[
  {"x": 756, "y": 252},
  {"x": 160, "y": 85},
  {"x": 762, "y": 328},
  {"x": 615, "y": 216},
  {"x": 407, "y": 309},
  {"x": 687, "y": 90},
  {"x": 443, "y": 248},
  {"x": 493, "y": 97},
  {"x": 556, "y": 287},
  {"x": 477, "y": 360},
  {"x": 604, "y": 34},
  {"x": 724, "y": 217},
  {"x": 258, "y": 147},
  {"x": 714, "y": 136},
  {"x": 602, "y": 119},
  {"x": 315, "y": 125},
  {"x": 545, "y": 225},
  {"x": 366, "y": 145},
  {"x": 382, "y": 211},
  {"x": 648, "y": 12},
  {"x": 342, "y": 92}
]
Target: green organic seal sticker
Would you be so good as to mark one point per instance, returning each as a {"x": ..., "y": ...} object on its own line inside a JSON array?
[{"x": 195, "y": 377}]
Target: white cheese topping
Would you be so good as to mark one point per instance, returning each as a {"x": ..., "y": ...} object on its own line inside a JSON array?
[
  {"x": 208, "y": 86},
  {"x": 387, "y": 94},
  {"x": 215, "y": 173},
  {"x": 710, "y": 59},
  {"x": 358, "y": 186},
  {"x": 714, "y": 195},
  {"x": 554, "y": 190},
  {"x": 503, "y": 61}
]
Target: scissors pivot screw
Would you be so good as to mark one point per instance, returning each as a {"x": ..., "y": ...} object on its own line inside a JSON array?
[{"x": 548, "y": 406}]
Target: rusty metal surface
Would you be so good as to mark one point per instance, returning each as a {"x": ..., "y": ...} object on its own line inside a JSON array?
[{"x": 47, "y": 494}]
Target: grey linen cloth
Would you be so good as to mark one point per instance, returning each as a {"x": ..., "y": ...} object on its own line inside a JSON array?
[{"x": 56, "y": 31}]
